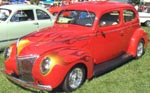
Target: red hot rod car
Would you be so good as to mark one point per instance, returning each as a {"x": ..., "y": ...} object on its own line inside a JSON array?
[{"x": 86, "y": 40}]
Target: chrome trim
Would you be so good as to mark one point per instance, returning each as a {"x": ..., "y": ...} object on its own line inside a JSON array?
[
  {"x": 25, "y": 65},
  {"x": 12, "y": 39},
  {"x": 7, "y": 52},
  {"x": 44, "y": 62},
  {"x": 17, "y": 44},
  {"x": 75, "y": 78},
  {"x": 28, "y": 56},
  {"x": 119, "y": 29},
  {"x": 27, "y": 84},
  {"x": 140, "y": 49}
]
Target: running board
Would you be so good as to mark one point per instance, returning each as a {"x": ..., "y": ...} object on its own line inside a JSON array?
[{"x": 107, "y": 66}]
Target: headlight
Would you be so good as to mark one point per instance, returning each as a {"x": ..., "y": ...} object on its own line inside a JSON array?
[
  {"x": 7, "y": 52},
  {"x": 45, "y": 65}
]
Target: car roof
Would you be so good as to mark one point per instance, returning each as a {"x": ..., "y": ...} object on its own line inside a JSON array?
[
  {"x": 20, "y": 6},
  {"x": 98, "y": 6}
]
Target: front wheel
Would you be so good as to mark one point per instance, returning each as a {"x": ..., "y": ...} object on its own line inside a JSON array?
[
  {"x": 140, "y": 49},
  {"x": 147, "y": 23},
  {"x": 74, "y": 79}
]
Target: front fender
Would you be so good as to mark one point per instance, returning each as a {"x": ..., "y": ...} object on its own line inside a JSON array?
[
  {"x": 69, "y": 58},
  {"x": 136, "y": 37},
  {"x": 10, "y": 62},
  {"x": 76, "y": 56}
]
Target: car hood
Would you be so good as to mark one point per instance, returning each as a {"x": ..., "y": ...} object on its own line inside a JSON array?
[{"x": 51, "y": 38}]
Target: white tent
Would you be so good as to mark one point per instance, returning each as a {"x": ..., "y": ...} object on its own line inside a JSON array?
[{"x": 145, "y": 1}]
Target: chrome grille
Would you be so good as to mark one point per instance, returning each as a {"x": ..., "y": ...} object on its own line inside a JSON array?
[{"x": 25, "y": 65}]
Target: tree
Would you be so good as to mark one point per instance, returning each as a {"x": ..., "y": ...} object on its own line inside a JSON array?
[
  {"x": 136, "y": 1},
  {"x": 35, "y": 2}
]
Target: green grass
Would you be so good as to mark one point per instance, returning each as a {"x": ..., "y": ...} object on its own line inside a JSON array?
[{"x": 133, "y": 77}]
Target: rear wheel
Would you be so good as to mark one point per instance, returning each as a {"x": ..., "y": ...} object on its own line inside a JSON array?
[
  {"x": 140, "y": 49},
  {"x": 147, "y": 23},
  {"x": 74, "y": 79}
]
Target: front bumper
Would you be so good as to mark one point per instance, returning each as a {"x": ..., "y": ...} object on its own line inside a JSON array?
[{"x": 27, "y": 84}]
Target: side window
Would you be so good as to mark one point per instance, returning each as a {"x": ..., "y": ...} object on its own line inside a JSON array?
[
  {"x": 4, "y": 14},
  {"x": 109, "y": 19},
  {"x": 23, "y": 15},
  {"x": 129, "y": 15},
  {"x": 42, "y": 15}
]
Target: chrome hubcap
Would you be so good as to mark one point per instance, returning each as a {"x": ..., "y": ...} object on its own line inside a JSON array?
[
  {"x": 75, "y": 78},
  {"x": 140, "y": 49},
  {"x": 148, "y": 23}
]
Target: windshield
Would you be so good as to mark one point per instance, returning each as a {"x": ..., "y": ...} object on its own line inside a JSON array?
[
  {"x": 83, "y": 18},
  {"x": 4, "y": 14}
]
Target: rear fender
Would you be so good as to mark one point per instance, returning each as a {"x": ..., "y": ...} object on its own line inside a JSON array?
[{"x": 136, "y": 37}]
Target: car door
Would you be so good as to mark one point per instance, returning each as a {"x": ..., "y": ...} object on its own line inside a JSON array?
[
  {"x": 130, "y": 24},
  {"x": 21, "y": 24},
  {"x": 44, "y": 19},
  {"x": 107, "y": 43}
]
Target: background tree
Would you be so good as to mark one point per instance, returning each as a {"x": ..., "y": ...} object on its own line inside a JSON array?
[
  {"x": 136, "y": 1},
  {"x": 35, "y": 2}
]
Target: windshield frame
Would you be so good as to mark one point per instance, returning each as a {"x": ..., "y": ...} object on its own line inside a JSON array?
[{"x": 90, "y": 17}]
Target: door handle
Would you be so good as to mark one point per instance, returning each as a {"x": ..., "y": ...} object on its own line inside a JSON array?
[
  {"x": 103, "y": 34},
  {"x": 36, "y": 23}
]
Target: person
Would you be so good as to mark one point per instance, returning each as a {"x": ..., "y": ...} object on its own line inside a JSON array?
[
  {"x": 136, "y": 7},
  {"x": 13, "y": 1},
  {"x": 83, "y": 15},
  {"x": 3, "y": 16},
  {"x": 1, "y": 2}
]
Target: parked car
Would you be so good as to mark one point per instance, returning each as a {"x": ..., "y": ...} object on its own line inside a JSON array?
[
  {"x": 144, "y": 16},
  {"x": 54, "y": 10},
  {"x": 83, "y": 43},
  {"x": 58, "y": 5},
  {"x": 20, "y": 19}
]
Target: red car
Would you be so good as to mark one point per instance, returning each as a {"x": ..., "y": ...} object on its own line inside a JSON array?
[
  {"x": 87, "y": 40},
  {"x": 54, "y": 10}
]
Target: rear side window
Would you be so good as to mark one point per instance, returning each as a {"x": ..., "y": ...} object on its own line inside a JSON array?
[
  {"x": 129, "y": 15},
  {"x": 109, "y": 19},
  {"x": 23, "y": 15},
  {"x": 41, "y": 15}
]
